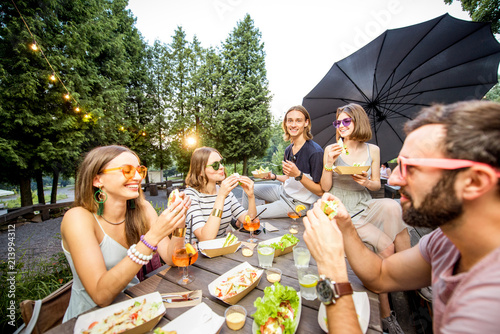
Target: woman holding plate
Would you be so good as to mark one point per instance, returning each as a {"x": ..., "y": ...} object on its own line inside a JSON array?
[
  {"x": 213, "y": 203},
  {"x": 378, "y": 221},
  {"x": 112, "y": 231}
]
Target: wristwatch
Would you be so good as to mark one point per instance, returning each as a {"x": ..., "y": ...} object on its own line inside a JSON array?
[
  {"x": 328, "y": 291},
  {"x": 298, "y": 178}
]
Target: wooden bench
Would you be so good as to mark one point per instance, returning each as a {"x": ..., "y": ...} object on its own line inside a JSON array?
[{"x": 44, "y": 209}]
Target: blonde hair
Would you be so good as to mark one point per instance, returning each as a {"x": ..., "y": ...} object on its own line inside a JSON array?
[
  {"x": 92, "y": 165},
  {"x": 362, "y": 129},
  {"x": 196, "y": 177},
  {"x": 307, "y": 130}
]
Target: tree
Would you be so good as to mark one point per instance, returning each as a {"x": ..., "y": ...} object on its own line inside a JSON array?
[
  {"x": 494, "y": 93},
  {"x": 243, "y": 122},
  {"x": 92, "y": 47},
  {"x": 482, "y": 11}
]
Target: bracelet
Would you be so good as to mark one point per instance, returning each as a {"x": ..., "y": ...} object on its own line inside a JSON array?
[
  {"x": 153, "y": 248},
  {"x": 216, "y": 213},
  {"x": 328, "y": 169},
  {"x": 139, "y": 254},
  {"x": 179, "y": 232},
  {"x": 136, "y": 259},
  {"x": 275, "y": 176}
]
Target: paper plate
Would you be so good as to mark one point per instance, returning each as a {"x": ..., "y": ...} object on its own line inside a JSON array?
[
  {"x": 362, "y": 305},
  {"x": 199, "y": 319}
]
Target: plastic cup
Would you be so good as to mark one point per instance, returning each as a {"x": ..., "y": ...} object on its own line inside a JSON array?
[
  {"x": 273, "y": 275},
  {"x": 294, "y": 229},
  {"x": 266, "y": 256},
  {"x": 308, "y": 279},
  {"x": 236, "y": 316},
  {"x": 301, "y": 256}
]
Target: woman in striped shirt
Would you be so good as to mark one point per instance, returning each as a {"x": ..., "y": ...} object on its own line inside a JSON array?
[{"x": 213, "y": 204}]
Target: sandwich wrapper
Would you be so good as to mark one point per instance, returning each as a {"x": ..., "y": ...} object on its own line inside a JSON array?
[
  {"x": 83, "y": 322},
  {"x": 279, "y": 252},
  {"x": 199, "y": 319},
  {"x": 213, "y": 248},
  {"x": 236, "y": 298},
  {"x": 350, "y": 170}
]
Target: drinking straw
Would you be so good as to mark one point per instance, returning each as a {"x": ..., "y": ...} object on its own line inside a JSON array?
[
  {"x": 288, "y": 202},
  {"x": 191, "y": 229},
  {"x": 354, "y": 215},
  {"x": 259, "y": 213}
]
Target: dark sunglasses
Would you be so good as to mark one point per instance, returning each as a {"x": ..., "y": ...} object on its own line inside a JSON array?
[
  {"x": 129, "y": 171},
  {"x": 217, "y": 164},
  {"x": 345, "y": 122},
  {"x": 291, "y": 157}
]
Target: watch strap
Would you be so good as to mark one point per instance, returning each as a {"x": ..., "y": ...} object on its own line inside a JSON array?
[{"x": 343, "y": 289}]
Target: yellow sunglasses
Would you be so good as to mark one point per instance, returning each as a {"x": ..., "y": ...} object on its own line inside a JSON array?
[{"x": 129, "y": 171}]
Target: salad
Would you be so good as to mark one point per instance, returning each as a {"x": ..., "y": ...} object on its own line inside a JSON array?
[
  {"x": 278, "y": 311},
  {"x": 285, "y": 241},
  {"x": 235, "y": 284},
  {"x": 130, "y": 317}
]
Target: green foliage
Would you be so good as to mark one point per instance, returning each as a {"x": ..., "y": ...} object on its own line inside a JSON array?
[
  {"x": 483, "y": 11},
  {"x": 494, "y": 93},
  {"x": 33, "y": 280}
]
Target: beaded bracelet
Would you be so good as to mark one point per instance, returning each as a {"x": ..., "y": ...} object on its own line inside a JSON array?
[
  {"x": 153, "y": 248},
  {"x": 139, "y": 254},
  {"x": 328, "y": 169},
  {"x": 136, "y": 259},
  {"x": 216, "y": 213}
]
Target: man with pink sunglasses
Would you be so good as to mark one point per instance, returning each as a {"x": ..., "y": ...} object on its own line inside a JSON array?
[{"x": 449, "y": 174}]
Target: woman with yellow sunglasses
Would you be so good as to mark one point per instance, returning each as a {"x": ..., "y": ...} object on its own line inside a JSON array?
[{"x": 112, "y": 231}]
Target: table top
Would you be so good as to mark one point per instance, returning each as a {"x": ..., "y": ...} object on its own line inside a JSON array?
[{"x": 205, "y": 270}]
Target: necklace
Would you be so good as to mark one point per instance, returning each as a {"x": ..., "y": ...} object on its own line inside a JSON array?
[{"x": 107, "y": 221}]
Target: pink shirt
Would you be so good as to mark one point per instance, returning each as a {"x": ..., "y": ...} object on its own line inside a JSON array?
[{"x": 468, "y": 302}]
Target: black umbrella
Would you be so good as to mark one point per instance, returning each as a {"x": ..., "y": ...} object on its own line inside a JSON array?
[{"x": 443, "y": 60}]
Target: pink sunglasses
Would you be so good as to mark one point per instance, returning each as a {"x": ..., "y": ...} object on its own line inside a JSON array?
[{"x": 438, "y": 163}]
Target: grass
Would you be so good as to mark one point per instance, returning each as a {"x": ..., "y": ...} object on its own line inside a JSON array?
[
  {"x": 34, "y": 279},
  {"x": 16, "y": 203}
]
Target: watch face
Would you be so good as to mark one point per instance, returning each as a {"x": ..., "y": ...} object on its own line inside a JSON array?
[{"x": 324, "y": 291}]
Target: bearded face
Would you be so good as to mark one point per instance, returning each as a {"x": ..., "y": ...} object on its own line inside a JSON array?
[{"x": 439, "y": 207}]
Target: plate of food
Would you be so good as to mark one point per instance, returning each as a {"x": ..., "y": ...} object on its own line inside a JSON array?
[
  {"x": 235, "y": 284},
  {"x": 278, "y": 311},
  {"x": 282, "y": 245},
  {"x": 261, "y": 173},
  {"x": 221, "y": 246},
  {"x": 138, "y": 315},
  {"x": 362, "y": 305}
]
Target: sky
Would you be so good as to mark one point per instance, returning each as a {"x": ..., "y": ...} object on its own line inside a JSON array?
[{"x": 302, "y": 39}]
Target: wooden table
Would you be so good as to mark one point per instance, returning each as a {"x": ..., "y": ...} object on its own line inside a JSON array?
[{"x": 205, "y": 270}]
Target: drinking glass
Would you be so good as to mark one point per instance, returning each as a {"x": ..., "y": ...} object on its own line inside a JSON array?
[
  {"x": 308, "y": 279},
  {"x": 185, "y": 255},
  {"x": 251, "y": 225},
  {"x": 266, "y": 256},
  {"x": 301, "y": 256},
  {"x": 294, "y": 215}
]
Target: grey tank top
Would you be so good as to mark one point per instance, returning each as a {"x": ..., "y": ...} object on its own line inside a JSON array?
[{"x": 113, "y": 252}]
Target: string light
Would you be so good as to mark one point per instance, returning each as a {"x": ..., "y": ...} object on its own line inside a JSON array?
[
  {"x": 77, "y": 109},
  {"x": 122, "y": 128},
  {"x": 36, "y": 47},
  {"x": 143, "y": 133}
]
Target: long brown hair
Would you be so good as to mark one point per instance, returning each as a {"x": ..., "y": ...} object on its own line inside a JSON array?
[
  {"x": 196, "y": 177},
  {"x": 92, "y": 165},
  {"x": 307, "y": 130}
]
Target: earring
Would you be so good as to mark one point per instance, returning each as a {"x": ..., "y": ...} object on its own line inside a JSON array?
[
  {"x": 131, "y": 203},
  {"x": 100, "y": 197}
]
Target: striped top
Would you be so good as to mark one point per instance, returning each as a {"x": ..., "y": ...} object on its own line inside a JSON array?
[{"x": 202, "y": 206}]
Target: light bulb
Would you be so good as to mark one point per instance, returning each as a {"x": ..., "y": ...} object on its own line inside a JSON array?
[
  {"x": 53, "y": 77},
  {"x": 34, "y": 47},
  {"x": 66, "y": 96}
]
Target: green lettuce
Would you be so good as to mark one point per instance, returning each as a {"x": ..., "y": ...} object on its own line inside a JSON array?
[
  {"x": 285, "y": 241},
  {"x": 268, "y": 306}
]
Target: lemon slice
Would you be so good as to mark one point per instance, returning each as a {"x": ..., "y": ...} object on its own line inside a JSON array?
[
  {"x": 309, "y": 281},
  {"x": 299, "y": 208},
  {"x": 265, "y": 250},
  {"x": 190, "y": 249},
  {"x": 247, "y": 219},
  {"x": 247, "y": 252}
]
